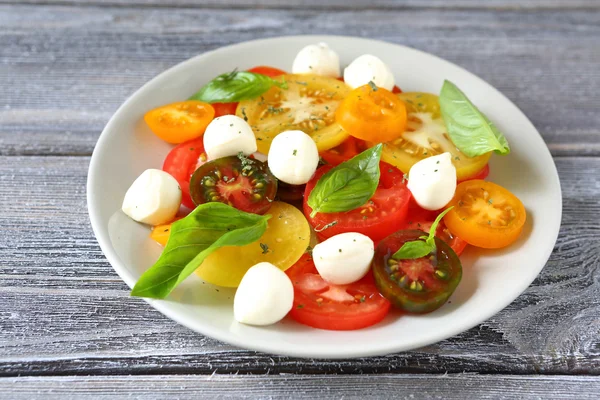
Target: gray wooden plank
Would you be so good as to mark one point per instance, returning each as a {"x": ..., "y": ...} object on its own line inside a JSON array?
[
  {"x": 332, "y": 4},
  {"x": 450, "y": 387},
  {"x": 65, "y": 70},
  {"x": 64, "y": 311}
]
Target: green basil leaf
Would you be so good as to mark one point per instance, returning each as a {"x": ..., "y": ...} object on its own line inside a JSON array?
[
  {"x": 470, "y": 130},
  {"x": 236, "y": 86},
  {"x": 412, "y": 250},
  {"x": 349, "y": 185},
  {"x": 424, "y": 246},
  {"x": 207, "y": 228}
]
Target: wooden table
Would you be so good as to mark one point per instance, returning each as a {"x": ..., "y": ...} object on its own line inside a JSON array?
[{"x": 69, "y": 330}]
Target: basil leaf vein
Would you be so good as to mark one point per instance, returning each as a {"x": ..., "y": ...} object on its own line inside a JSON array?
[
  {"x": 349, "y": 185},
  {"x": 236, "y": 86},
  {"x": 470, "y": 130},
  {"x": 207, "y": 228},
  {"x": 422, "y": 247}
]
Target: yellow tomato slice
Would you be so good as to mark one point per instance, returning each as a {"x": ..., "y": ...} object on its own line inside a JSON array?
[
  {"x": 485, "y": 214},
  {"x": 180, "y": 122},
  {"x": 283, "y": 243},
  {"x": 161, "y": 233},
  {"x": 426, "y": 136},
  {"x": 308, "y": 104}
]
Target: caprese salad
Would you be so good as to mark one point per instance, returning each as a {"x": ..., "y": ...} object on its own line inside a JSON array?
[{"x": 326, "y": 197}]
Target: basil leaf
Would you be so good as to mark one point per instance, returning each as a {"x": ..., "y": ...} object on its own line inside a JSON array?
[
  {"x": 347, "y": 186},
  {"x": 207, "y": 228},
  {"x": 236, "y": 86},
  {"x": 470, "y": 130},
  {"x": 424, "y": 246},
  {"x": 412, "y": 250}
]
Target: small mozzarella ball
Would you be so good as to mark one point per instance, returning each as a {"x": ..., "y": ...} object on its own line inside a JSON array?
[
  {"x": 317, "y": 59},
  {"x": 368, "y": 68},
  {"x": 153, "y": 198},
  {"x": 228, "y": 136},
  {"x": 265, "y": 295},
  {"x": 293, "y": 157},
  {"x": 344, "y": 258},
  {"x": 432, "y": 181}
]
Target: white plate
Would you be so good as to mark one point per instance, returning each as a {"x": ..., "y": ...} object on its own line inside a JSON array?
[{"x": 491, "y": 279}]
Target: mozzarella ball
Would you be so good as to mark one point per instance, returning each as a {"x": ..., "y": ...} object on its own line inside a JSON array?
[
  {"x": 317, "y": 59},
  {"x": 153, "y": 198},
  {"x": 265, "y": 295},
  {"x": 344, "y": 258},
  {"x": 368, "y": 68},
  {"x": 228, "y": 136},
  {"x": 293, "y": 157},
  {"x": 432, "y": 181}
]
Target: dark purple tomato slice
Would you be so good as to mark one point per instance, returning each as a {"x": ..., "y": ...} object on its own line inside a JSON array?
[
  {"x": 421, "y": 285},
  {"x": 245, "y": 184}
]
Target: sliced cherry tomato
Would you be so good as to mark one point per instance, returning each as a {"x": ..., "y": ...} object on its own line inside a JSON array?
[
  {"x": 323, "y": 305},
  {"x": 247, "y": 184},
  {"x": 482, "y": 174},
  {"x": 308, "y": 104},
  {"x": 161, "y": 233},
  {"x": 426, "y": 136},
  {"x": 384, "y": 214},
  {"x": 396, "y": 90},
  {"x": 419, "y": 285},
  {"x": 456, "y": 243},
  {"x": 180, "y": 122},
  {"x": 290, "y": 193},
  {"x": 268, "y": 71},
  {"x": 373, "y": 114},
  {"x": 485, "y": 214},
  {"x": 224, "y": 109},
  {"x": 283, "y": 243},
  {"x": 181, "y": 162},
  {"x": 345, "y": 151}
]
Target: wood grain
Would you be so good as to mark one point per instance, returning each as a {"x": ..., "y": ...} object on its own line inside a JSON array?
[
  {"x": 449, "y": 387},
  {"x": 355, "y": 5},
  {"x": 65, "y": 312},
  {"x": 65, "y": 70}
]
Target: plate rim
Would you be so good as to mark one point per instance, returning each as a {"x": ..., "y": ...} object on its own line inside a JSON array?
[{"x": 376, "y": 349}]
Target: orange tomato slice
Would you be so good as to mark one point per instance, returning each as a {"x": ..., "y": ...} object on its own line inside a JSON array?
[
  {"x": 485, "y": 214},
  {"x": 180, "y": 122},
  {"x": 373, "y": 114}
]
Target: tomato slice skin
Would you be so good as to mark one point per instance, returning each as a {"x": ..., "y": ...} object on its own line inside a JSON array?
[
  {"x": 384, "y": 214},
  {"x": 421, "y": 285},
  {"x": 482, "y": 174},
  {"x": 224, "y": 109},
  {"x": 334, "y": 307},
  {"x": 366, "y": 107},
  {"x": 485, "y": 214},
  {"x": 246, "y": 185},
  {"x": 181, "y": 162},
  {"x": 345, "y": 151},
  {"x": 268, "y": 71},
  {"x": 179, "y": 122}
]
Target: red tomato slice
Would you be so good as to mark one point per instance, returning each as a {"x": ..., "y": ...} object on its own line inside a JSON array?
[
  {"x": 224, "y": 109},
  {"x": 345, "y": 151},
  {"x": 482, "y": 174},
  {"x": 268, "y": 71},
  {"x": 381, "y": 216},
  {"x": 322, "y": 305},
  {"x": 442, "y": 232},
  {"x": 181, "y": 162},
  {"x": 396, "y": 90}
]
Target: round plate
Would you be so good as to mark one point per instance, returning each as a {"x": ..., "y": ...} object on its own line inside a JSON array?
[{"x": 491, "y": 279}]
